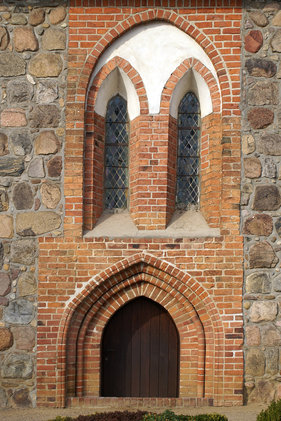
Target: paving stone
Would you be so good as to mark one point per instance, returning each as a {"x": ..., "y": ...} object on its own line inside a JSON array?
[
  {"x": 13, "y": 117},
  {"x": 253, "y": 336},
  {"x": 269, "y": 144},
  {"x": 24, "y": 337},
  {"x": 4, "y": 200},
  {"x": 258, "y": 282},
  {"x": 262, "y": 255},
  {"x": 44, "y": 116},
  {"x": 5, "y": 284},
  {"x": 271, "y": 336},
  {"x": 252, "y": 167},
  {"x": 46, "y": 143},
  {"x": 253, "y": 41},
  {"x": 259, "y": 18},
  {"x": 263, "y": 93},
  {"x": 54, "y": 166},
  {"x": 4, "y": 149},
  {"x": 26, "y": 284},
  {"x": 25, "y": 39},
  {"x": 19, "y": 311},
  {"x": 37, "y": 223},
  {"x": 260, "y": 67},
  {"x": 21, "y": 143},
  {"x": 4, "y": 38},
  {"x": 46, "y": 92},
  {"x": 21, "y": 398},
  {"x": 260, "y": 118},
  {"x": 57, "y": 15},
  {"x": 36, "y": 17},
  {"x": 255, "y": 363},
  {"x": 45, "y": 65},
  {"x": 36, "y": 168},
  {"x": 50, "y": 194},
  {"x": 263, "y": 311},
  {"x": 6, "y": 226},
  {"x": 269, "y": 168},
  {"x": 19, "y": 92},
  {"x": 17, "y": 366},
  {"x": 266, "y": 198},
  {"x": 23, "y": 196},
  {"x": 6, "y": 338},
  {"x": 54, "y": 39},
  {"x": 23, "y": 251}
]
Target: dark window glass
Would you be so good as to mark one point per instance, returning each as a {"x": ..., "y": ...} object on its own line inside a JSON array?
[
  {"x": 188, "y": 151},
  {"x": 116, "y": 154}
]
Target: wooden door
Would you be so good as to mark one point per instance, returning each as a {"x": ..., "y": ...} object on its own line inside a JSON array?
[{"x": 140, "y": 352}]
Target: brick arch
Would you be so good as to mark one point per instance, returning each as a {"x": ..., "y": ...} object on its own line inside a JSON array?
[
  {"x": 95, "y": 130},
  {"x": 159, "y": 280},
  {"x": 150, "y": 16}
]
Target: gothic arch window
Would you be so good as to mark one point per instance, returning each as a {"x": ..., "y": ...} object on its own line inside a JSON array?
[
  {"x": 116, "y": 155},
  {"x": 188, "y": 155}
]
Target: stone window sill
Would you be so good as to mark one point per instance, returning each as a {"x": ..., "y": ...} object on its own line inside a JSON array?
[{"x": 188, "y": 224}]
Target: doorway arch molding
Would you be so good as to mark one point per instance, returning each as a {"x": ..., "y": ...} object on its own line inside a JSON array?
[{"x": 191, "y": 307}]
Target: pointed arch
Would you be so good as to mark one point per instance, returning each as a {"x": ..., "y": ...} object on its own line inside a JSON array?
[{"x": 192, "y": 309}]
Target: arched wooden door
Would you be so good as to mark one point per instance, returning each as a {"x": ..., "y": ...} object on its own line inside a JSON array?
[{"x": 140, "y": 352}]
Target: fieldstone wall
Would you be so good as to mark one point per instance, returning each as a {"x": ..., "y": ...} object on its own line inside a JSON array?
[
  {"x": 261, "y": 199},
  {"x": 33, "y": 59}
]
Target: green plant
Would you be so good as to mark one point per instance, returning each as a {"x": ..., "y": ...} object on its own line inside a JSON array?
[
  {"x": 171, "y": 416},
  {"x": 272, "y": 413}
]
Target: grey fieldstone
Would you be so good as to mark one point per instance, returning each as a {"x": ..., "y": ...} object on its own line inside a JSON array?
[
  {"x": 46, "y": 143},
  {"x": 260, "y": 118},
  {"x": 6, "y": 226},
  {"x": 21, "y": 143},
  {"x": 263, "y": 311},
  {"x": 54, "y": 39},
  {"x": 19, "y": 92},
  {"x": 252, "y": 167},
  {"x": 36, "y": 168},
  {"x": 278, "y": 226},
  {"x": 36, "y": 17},
  {"x": 259, "y": 18},
  {"x": 267, "y": 197},
  {"x": 26, "y": 284},
  {"x": 57, "y": 15},
  {"x": 23, "y": 196},
  {"x": 4, "y": 200},
  {"x": 21, "y": 398},
  {"x": 253, "y": 336},
  {"x": 17, "y": 366},
  {"x": 258, "y": 282},
  {"x": 4, "y": 38},
  {"x": 25, "y": 39},
  {"x": 5, "y": 284},
  {"x": 45, "y": 65},
  {"x": 4, "y": 149},
  {"x": 19, "y": 311},
  {"x": 46, "y": 92},
  {"x": 264, "y": 392},
  {"x": 271, "y": 7},
  {"x": 3, "y": 398},
  {"x": 261, "y": 68},
  {"x": 277, "y": 284},
  {"x": 270, "y": 144},
  {"x": 271, "y": 336},
  {"x": 276, "y": 42},
  {"x": 262, "y": 255},
  {"x": 37, "y": 223},
  {"x": 18, "y": 19},
  {"x": 272, "y": 361},
  {"x": 6, "y": 338},
  {"x": 248, "y": 144},
  {"x": 258, "y": 224},
  {"x": 45, "y": 116},
  {"x": 263, "y": 93},
  {"x": 50, "y": 194},
  {"x": 11, "y": 65},
  {"x": 24, "y": 337},
  {"x": 276, "y": 21},
  {"x": 255, "y": 363},
  {"x": 54, "y": 166},
  {"x": 11, "y": 166},
  {"x": 23, "y": 251},
  {"x": 269, "y": 168}
]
